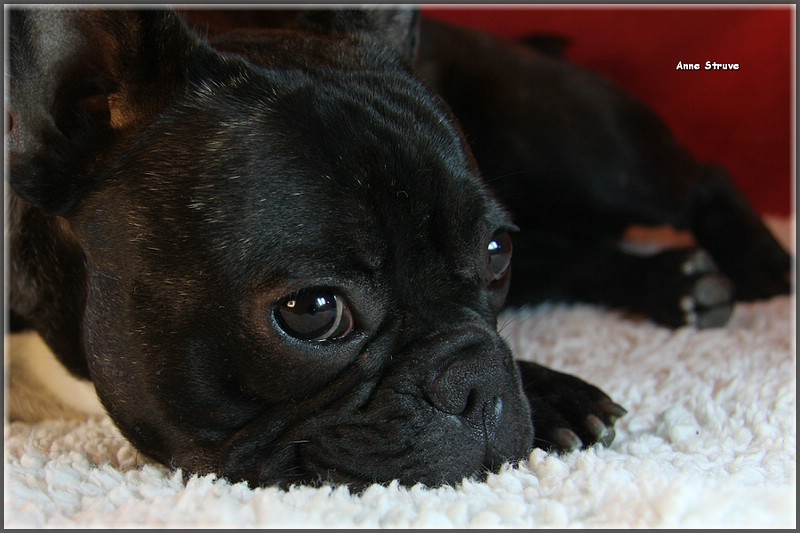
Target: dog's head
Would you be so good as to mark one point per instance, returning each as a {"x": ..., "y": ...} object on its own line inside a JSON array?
[{"x": 280, "y": 268}]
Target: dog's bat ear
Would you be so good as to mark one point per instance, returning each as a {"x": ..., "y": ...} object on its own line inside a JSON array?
[
  {"x": 77, "y": 81},
  {"x": 399, "y": 27}
]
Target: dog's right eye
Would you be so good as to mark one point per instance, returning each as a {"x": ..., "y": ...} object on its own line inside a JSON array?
[
  {"x": 499, "y": 256},
  {"x": 314, "y": 315}
]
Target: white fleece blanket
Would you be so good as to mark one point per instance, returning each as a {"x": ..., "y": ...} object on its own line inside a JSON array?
[{"x": 709, "y": 441}]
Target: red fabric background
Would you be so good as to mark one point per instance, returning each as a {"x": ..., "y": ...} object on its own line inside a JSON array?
[{"x": 740, "y": 119}]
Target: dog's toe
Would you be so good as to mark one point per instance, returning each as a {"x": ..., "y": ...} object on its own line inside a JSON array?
[
  {"x": 613, "y": 411},
  {"x": 698, "y": 262}
]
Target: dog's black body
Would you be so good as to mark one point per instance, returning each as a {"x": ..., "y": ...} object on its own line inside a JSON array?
[
  {"x": 286, "y": 268},
  {"x": 577, "y": 162}
]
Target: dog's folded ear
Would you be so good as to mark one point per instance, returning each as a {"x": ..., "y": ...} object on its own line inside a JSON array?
[
  {"x": 398, "y": 27},
  {"x": 77, "y": 80}
]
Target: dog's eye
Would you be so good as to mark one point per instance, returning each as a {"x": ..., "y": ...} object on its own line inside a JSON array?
[
  {"x": 314, "y": 315},
  {"x": 499, "y": 252}
]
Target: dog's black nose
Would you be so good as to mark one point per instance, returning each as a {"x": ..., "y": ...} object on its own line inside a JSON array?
[{"x": 469, "y": 387}]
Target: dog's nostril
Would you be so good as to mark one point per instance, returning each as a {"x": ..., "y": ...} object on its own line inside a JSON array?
[
  {"x": 472, "y": 401},
  {"x": 462, "y": 389},
  {"x": 450, "y": 393}
]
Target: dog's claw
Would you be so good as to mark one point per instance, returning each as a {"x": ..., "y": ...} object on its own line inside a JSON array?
[
  {"x": 566, "y": 439},
  {"x": 612, "y": 410},
  {"x": 698, "y": 263},
  {"x": 604, "y": 434}
]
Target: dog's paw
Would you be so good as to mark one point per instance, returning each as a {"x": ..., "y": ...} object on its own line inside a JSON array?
[
  {"x": 567, "y": 412},
  {"x": 685, "y": 287},
  {"x": 707, "y": 298}
]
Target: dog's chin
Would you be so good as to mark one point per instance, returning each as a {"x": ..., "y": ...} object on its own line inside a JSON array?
[
  {"x": 434, "y": 459},
  {"x": 407, "y": 440}
]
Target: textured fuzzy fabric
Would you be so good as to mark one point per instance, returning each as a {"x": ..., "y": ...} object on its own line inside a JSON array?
[{"x": 710, "y": 440}]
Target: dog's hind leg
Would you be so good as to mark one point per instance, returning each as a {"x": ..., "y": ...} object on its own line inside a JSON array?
[{"x": 673, "y": 286}]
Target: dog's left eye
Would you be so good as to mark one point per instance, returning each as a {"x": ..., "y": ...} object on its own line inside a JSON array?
[
  {"x": 499, "y": 253},
  {"x": 314, "y": 315}
]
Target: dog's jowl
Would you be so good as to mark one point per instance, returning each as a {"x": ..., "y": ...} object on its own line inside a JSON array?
[{"x": 277, "y": 260}]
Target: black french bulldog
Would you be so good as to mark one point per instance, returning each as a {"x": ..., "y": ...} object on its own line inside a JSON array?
[{"x": 276, "y": 260}]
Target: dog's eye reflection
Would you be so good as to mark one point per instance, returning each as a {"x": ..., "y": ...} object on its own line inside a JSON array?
[
  {"x": 314, "y": 315},
  {"x": 499, "y": 251}
]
